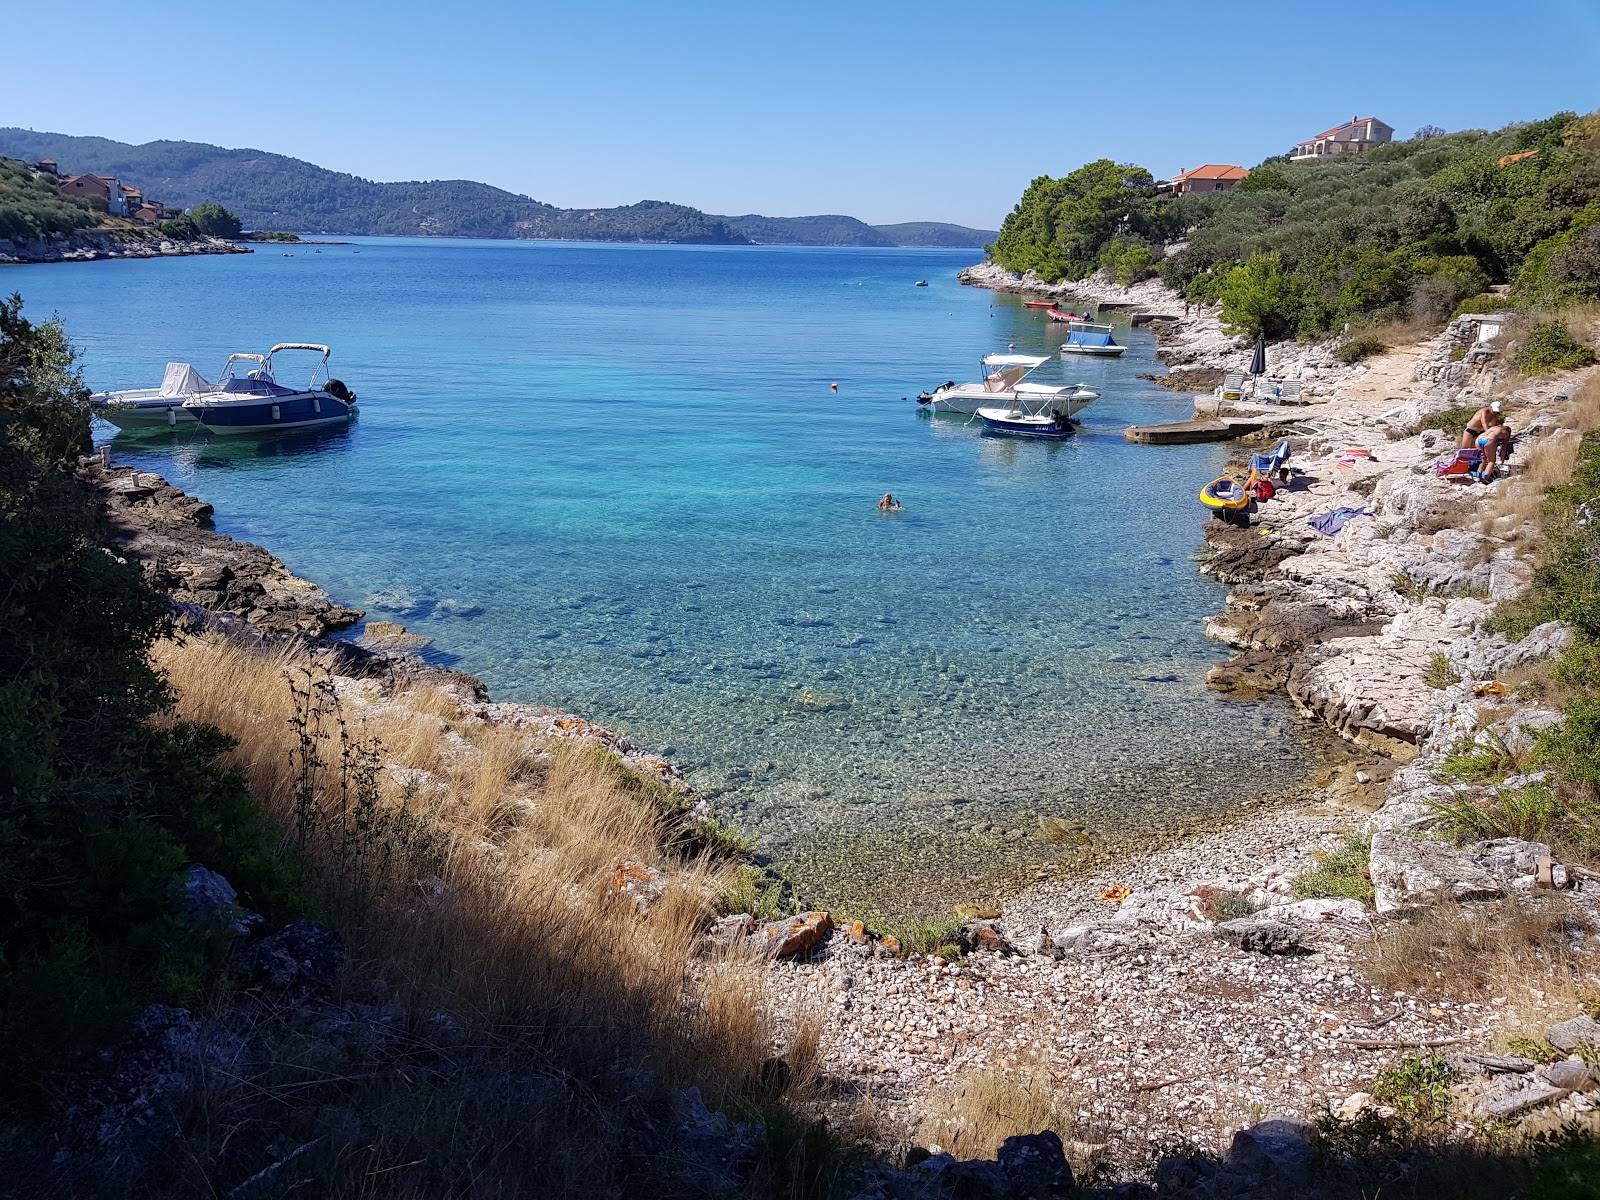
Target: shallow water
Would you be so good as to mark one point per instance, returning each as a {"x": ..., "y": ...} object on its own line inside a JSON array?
[{"x": 614, "y": 478}]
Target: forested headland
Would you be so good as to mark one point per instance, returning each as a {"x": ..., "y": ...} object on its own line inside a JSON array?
[{"x": 1409, "y": 230}]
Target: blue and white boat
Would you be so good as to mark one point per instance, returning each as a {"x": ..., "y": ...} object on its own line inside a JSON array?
[
  {"x": 1019, "y": 421},
  {"x": 249, "y": 399},
  {"x": 1090, "y": 338}
]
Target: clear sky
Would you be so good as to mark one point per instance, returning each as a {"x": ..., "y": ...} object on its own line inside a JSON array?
[{"x": 889, "y": 112}]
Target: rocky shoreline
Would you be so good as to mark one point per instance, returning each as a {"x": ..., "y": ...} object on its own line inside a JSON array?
[
  {"x": 1123, "y": 984},
  {"x": 89, "y": 245}
]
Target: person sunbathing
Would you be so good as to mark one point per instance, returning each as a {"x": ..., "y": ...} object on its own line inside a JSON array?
[
  {"x": 1495, "y": 442},
  {"x": 1483, "y": 420}
]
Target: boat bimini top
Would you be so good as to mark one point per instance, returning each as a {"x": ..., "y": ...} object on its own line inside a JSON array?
[
  {"x": 1003, "y": 372},
  {"x": 258, "y": 380}
]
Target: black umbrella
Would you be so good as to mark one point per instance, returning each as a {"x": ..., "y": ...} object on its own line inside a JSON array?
[{"x": 1258, "y": 360}]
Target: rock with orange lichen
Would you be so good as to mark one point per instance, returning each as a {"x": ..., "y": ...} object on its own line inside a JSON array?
[
  {"x": 638, "y": 881},
  {"x": 794, "y": 935}
]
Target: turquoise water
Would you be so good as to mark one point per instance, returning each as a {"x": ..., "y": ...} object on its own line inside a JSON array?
[{"x": 615, "y": 478}]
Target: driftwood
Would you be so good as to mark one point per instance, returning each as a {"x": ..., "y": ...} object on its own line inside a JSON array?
[{"x": 1407, "y": 1044}]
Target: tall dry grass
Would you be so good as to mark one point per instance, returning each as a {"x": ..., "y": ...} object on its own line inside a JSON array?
[
  {"x": 491, "y": 899},
  {"x": 1514, "y": 511},
  {"x": 984, "y": 1107}
]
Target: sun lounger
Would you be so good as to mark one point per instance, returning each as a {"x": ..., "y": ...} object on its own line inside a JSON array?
[
  {"x": 1290, "y": 392},
  {"x": 1233, "y": 385},
  {"x": 1273, "y": 461}
]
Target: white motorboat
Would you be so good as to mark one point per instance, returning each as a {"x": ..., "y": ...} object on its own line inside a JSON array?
[
  {"x": 1005, "y": 382},
  {"x": 145, "y": 408},
  {"x": 248, "y": 399}
]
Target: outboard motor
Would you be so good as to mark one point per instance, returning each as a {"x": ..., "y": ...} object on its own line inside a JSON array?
[{"x": 337, "y": 389}]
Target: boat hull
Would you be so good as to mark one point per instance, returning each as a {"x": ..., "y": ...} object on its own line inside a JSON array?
[
  {"x": 1028, "y": 426},
  {"x": 302, "y": 410},
  {"x": 144, "y": 408},
  {"x": 1094, "y": 351}
]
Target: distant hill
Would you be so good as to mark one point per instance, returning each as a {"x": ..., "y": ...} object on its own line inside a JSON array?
[
  {"x": 833, "y": 230},
  {"x": 273, "y": 191}
]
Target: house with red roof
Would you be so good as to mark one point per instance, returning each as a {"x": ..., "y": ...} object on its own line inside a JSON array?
[
  {"x": 1212, "y": 177},
  {"x": 1353, "y": 137}
]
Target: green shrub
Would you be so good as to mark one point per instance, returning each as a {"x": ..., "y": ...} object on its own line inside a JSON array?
[
  {"x": 1419, "y": 1088},
  {"x": 215, "y": 221},
  {"x": 1261, "y": 297},
  {"x": 1486, "y": 302},
  {"x": 1339, "y": 874},
  {"x": 1358, "y": 348},
  {"x": 1549, "y": 346},
  {"x": 1572, "y": 748},
  {"x": 100, "y": 806},
  {"x": 1440, "y": 673}
]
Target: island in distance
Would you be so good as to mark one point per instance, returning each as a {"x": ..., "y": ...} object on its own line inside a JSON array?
[{"x": 274, "y": 191}]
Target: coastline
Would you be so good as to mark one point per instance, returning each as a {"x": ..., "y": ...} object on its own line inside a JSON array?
[
  {"x": 1131, "y": 1000},
  {"x": 87, "y": 245}
]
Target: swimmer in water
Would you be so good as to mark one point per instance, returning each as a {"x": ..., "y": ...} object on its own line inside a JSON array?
[{"x": 888, "y": 504}]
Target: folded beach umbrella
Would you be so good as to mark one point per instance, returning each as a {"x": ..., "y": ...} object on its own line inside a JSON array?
[{"x": 1258, "y": 360}]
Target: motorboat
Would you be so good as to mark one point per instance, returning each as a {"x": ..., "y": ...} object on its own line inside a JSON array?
[
  {"x": 148, "y": 408},
  {"x": 1004, "y": 381},
  {"x": 249, "y": 399},
  {"x": 1038, "y": 304},
  {"x": 1020, "y": 421},
  {"x": 1091, "y": 338}
]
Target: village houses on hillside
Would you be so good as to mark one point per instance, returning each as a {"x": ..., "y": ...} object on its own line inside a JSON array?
[
  {"x": 1212, "y": 177},
  {"x": 1354, "y": 136},
  {"x": 120, "y": 199}
]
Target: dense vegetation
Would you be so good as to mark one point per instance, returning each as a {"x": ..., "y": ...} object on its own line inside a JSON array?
[
  {"x": 30, "y": 208},
  {"x": 273, "y": 191},
  {"x": 100, "y": 807},
  {"x": 1411, "y": 229}
]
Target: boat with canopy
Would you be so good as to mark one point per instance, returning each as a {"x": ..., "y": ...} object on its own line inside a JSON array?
[
  {"x": 249, "y": 399},
  {"x": 1005, "y": 379},
  {"x": 149, "y": 408},
  {"x": 1090, "y": 338}
]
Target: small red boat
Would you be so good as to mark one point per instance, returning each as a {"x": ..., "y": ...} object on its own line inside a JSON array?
[
  {"x": 1038, "y": 303},
  {"x": 1056, "y": 314}
]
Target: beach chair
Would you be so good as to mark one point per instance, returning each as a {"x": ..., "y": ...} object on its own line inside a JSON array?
[
  {"x": 1290, "y": 391},
  {"x": 1463, "y": 464},
  {"x": 1270, "y": 463},
  {"x": 1233, "y": 385}
]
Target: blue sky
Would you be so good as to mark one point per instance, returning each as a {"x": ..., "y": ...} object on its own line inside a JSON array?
[{"x": 889, "y": 112}]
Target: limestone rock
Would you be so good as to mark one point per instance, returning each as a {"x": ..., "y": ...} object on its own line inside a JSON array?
[
  {"x": 1276, "y": 1150},
  {"x": 1530, "y": 1095},
  {"x": 1035, "y": 1167},
  {"x": 303, "y": 958},
  {"x": 795, "y": 934},
  {"x": 1261, "y": 935},
  {"x": 1572, "y": 1074},
  {"x": 1569, "y": 1035},
  {"x": 638, "y": 881},
  {"x": 1408, "y": 873}
]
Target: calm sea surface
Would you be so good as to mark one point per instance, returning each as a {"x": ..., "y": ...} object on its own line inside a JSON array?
[{"x": 615, "y": 478}]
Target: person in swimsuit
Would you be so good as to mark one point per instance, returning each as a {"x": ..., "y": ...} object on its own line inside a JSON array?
[
  {"x": 888, "y": 504},
  {"x": 1495, "y": 442},
  {"x": 1482, "y": 421}
]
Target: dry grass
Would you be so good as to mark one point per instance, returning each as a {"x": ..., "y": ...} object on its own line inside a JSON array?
[
  {"x": 490, "y": 900},
  {"x": 1514, "y": 510},
  {"x": 1518, "y": 950},
  {"x": 984, "y": 1108}
]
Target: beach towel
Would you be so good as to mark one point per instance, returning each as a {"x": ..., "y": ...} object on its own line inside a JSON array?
[
  {"x": 1462, "y": 462},
  {"x": 1329, "y": 523}
]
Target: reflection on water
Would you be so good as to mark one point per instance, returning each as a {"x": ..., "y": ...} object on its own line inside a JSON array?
[{"x": 195, "y": 449}]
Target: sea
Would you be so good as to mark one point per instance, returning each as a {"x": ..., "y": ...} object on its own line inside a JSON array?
[{"x": 640, "y": 483}]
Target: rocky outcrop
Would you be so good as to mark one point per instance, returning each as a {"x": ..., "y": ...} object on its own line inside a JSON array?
[
  {"x": 168, "y": 534},
  {"x": 1410, "y": 873}
]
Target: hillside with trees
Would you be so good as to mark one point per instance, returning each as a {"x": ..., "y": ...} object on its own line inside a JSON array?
[
  {"x": 274, "y": 191},
  {"x": 1407, "y": 230}
]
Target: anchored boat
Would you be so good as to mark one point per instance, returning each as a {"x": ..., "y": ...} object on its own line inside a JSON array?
[
  {"x": 1091, "y": 338},
  {"x": 1004, "y": 381},
  {"x": 148, "y": 408},
  {"x": 249, "y": 399},
  {"x": 1020, "y": 422}
]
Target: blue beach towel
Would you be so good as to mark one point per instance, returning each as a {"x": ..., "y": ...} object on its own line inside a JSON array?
[{"x": 1329, "y": 523}]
